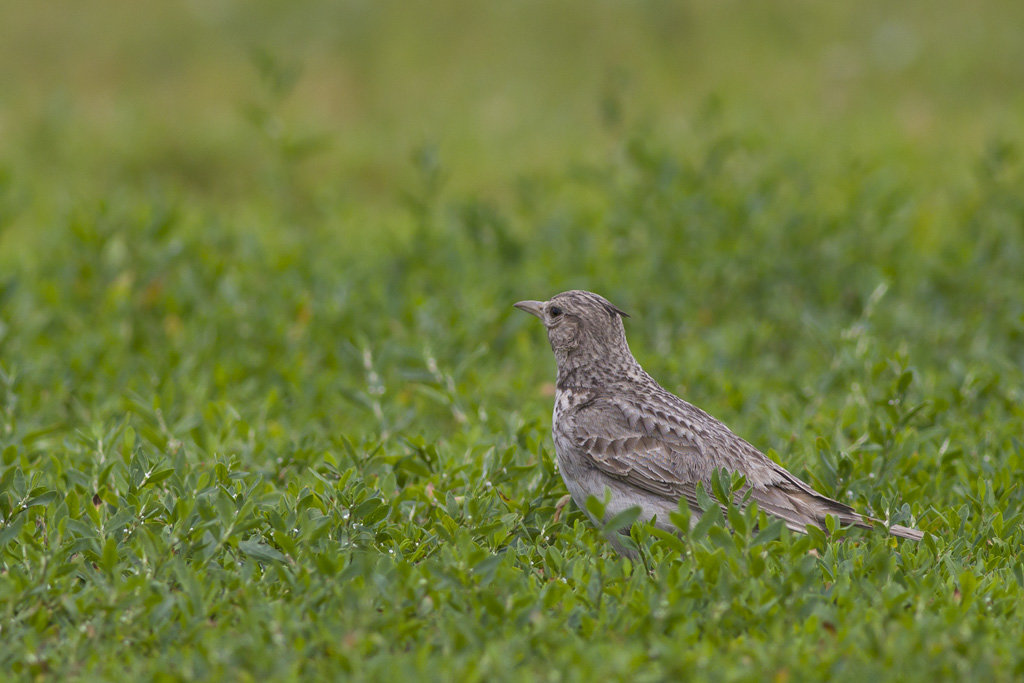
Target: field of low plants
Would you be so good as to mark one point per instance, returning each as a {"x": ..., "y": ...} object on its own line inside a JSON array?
[{"x": 267, "y": 412}]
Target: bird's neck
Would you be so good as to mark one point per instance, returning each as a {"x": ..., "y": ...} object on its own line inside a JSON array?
[{"x": 588, "y": 373}]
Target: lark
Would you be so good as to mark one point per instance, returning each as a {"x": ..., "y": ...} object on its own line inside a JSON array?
[{"x": 616, "y": 429}]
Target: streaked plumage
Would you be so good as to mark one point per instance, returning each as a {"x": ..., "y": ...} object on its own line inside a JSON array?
[{"x": 615, "y": 427}]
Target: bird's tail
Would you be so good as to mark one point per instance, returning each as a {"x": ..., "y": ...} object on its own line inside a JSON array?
[
  {"x": 818, "y": 506},
  {"x": 865, "y": 522},
  {"x": 906, "y": 532},
  {"x": 798, "y": 505}
]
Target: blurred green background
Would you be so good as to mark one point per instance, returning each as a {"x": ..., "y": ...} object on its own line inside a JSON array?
[
  {"x": 266, "y": 411},
  {"x": 201, "y": 95}
]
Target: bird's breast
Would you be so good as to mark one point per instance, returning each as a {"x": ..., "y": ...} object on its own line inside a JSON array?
[
  {"x": 561, "y": 415},
  {"x": 563, "y": 402}
]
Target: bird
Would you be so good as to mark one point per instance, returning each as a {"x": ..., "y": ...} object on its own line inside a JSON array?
[{"x": 617, "y": 430}]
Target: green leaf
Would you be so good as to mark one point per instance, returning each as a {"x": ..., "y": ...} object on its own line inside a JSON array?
[
  {"x": 708, "y": 519},
  {"x": 705, "y": 501},
  {"x": 623, "y": 520},
  {"x": 159, "y": 475},
  {"x": 109, "y": 556},
  {"x": 370, "y": 511},
  {"x": 720, "y": 536},
  {"x": 670, "y": 539},
  {"x": 769, "y": 532},
  {"x": 736, "y": 520},
  {"x": 721, "y": 484},
  {"x": 261, "y": 551},
  {"x": 11, "y": 530},
  {"x": 485, "y": 568},
  {"x": 596, "y": 507},
  {"x": 905, "y": 379},
  {"x": 42, "y": 499}
]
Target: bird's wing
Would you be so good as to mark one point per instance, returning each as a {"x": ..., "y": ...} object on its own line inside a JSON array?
[{"x": 666, "y": 448}]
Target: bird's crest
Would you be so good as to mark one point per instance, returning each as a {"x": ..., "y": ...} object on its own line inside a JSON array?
[{"x": 608, "y": 306}]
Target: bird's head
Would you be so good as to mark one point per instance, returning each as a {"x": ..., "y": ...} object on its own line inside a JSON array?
[{"x": 581, "y": 326}]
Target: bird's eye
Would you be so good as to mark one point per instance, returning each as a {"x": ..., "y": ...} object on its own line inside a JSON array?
[{"x": 555, "y": 311}]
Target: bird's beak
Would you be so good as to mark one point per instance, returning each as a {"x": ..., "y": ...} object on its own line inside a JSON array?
[{"x": 532, "y": 307}]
